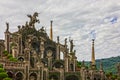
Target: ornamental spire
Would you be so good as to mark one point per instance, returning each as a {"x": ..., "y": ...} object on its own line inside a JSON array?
[{"x": 51, "y": 31}]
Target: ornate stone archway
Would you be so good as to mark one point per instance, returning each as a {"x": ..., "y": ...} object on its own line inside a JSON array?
[
  {"x": 58, "y": 64},
  {"x": 33, "y": 76},
  {"x": 72, "y": 77},
  {"x": 10, "y": 74},
  {"x": 21, "y": 58},
  {"x": 19, "y": 76}
]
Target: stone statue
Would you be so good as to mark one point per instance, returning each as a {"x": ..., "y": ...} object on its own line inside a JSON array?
[
  {"x": 33, "y": 19},
  {"x": 65, "y": 41},
  {"x": 58, "y": 39},
  {"x": 26, "y": 24},
  {"x": 42, "y": 29},
  {"x": 32, "y": 61},
  {"x": 7, "y": 24},
  {"x": 71, "y": 45},
  {"x": 74, "y": 51}
]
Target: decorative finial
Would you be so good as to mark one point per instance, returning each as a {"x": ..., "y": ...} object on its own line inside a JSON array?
[
  {"x": 23, "y": 26},
  {"x": 93, "y": 35},
  {"x": 74, "y": 51},
  {"x": 19, "y": 27}
]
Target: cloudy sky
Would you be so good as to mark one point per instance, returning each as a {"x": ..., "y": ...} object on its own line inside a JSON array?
[{"x": 72, "y": 18}]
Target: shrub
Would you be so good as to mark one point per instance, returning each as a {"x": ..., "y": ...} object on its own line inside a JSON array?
[
  {"x": 1, "y": 66},
  {"x": 5, "y": 52},
  {"x": 2, "y": 70},
  {"x": 9, "y": 55},
  {"x": 3, "y": 75},
  {"x": 13, "y": 59},
  {"x": 7, "y": 79}
]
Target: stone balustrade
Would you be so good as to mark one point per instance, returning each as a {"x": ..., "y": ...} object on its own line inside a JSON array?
[{"x": 10, "y": 65}]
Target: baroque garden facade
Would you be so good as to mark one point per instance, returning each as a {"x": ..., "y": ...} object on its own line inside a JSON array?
[{"x": 39, "y": 57}]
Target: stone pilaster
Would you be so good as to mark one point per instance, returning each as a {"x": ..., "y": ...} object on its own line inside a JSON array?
[
  {"x": 20, "y": 44},
  {"x": 42, "y": 48},
  {"x": 66, "y": 64}
]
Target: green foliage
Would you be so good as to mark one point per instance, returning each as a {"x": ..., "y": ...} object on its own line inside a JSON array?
[
  {"x": 7, "y": 79},
  {"x": 118, "y": 78},
  {"x": 2, "y": 70},
  {"x": 1, "y": 66},
  {"x": 9, "y": 55},
  {"x": 5, "y": 52},
  {"x": 13, "y": 59},
  {"x": 3, "y": 75},
  {"x": 79, "y": 64},
  {"x": 114, "y": 76}
]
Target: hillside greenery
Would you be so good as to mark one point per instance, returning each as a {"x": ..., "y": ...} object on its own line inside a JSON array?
[{"x": 109, "y": 64}]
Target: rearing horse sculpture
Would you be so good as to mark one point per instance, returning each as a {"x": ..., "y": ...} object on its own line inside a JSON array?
[{"x": 33, "y": 19}]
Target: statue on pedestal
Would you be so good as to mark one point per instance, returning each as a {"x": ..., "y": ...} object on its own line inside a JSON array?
[
  {"x": 71, "y": 45},
  {"x": 7, "y": 24}
]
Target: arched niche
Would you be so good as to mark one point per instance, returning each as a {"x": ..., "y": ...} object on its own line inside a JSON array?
[
  {"x": 21, "y": 59},
  {"x": 33, "y": 76},
  {"x": 10, "y": 74},
  {"x": 72, "y": 77},
  {"x": 58, "y": 64},
  {"x": 71, "y": 67},
  {"x": 36, "y": 45},
  {"x": 61, "y": 55},
  {"x": 19, "y": 76}
]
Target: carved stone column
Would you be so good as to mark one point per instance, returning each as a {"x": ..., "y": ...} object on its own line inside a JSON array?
[
  {"x": 58, "y": 52},
  {"x": 19, "y": 44},
  {"x": 7, "y": 41},
  {"x": 58, "y": 49},
  {"x": 50, "y": 62},
  {"x": 14, "y": 52},
  {"x": 42, "y": 48},
  {"x": 66, "y": 64}
]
